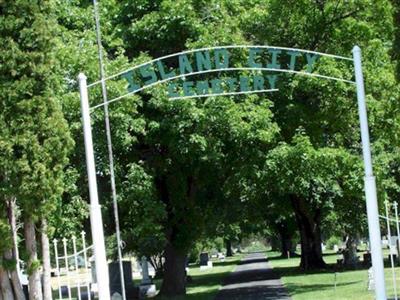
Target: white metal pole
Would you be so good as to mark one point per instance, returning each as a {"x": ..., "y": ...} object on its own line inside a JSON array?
[
  {"x": 390, "y": 249},
  {"x": 397, "y": 229},
  {"x": 96, "y": 221},
  {"x": 58, "y": 269},
  {"x": 78, "y": 278},
  {"x": 369, "y": 183}
]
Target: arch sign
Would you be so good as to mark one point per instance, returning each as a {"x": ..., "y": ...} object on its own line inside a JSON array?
[{"x": 235, "y": 70}]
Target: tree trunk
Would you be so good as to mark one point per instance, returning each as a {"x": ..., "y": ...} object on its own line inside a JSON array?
[
  {"x": 14, "y": 278},
  {"x": 174, "y": 281},
  {"x": 12, "y": 210},
  {"x": 286, "y": 241},
  {"x": 310, "y": 233},
  {"x": 228, "y": 244},
  {"x": 13, "y": 254},
  {"x": 5, "y": 285},
  {"x": 35, "y": 286},
  {"x": 46, "y": 262},
  {"x": 274, "y": 242}
]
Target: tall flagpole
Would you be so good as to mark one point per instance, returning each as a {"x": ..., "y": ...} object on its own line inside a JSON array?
[
  {"x": 96, "y": 221},
  {"x": 369, "y": 184},
  {"x": 110, "y": 148}
]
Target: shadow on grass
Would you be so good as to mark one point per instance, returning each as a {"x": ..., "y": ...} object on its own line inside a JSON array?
[
  {"x": 223, "y": 263},
  {"x": 296, "y": 289},
  {"x": 330, "y": 267},
  {"x": 208, "y": 295},
  {"x": 253, "y": 261},
  {"x": 206, "y": 281}
]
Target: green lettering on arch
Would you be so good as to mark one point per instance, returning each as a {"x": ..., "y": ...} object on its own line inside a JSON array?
[
  {"x": 274, "y": 59},
  {"x": 272, "y": 81},
  {"x": 293, "y": 56},
  {"x": 231, "y": 84},
  {"x": 311, "y": 59},
  {"x": 147, "y": 72},
  {"x": 202, "y": 87},
  {"x": 172, "y": 90},
  {"x": 216, "y": 86},
  {"x": 258, "y": 83},
  {"x": 161, "y": 69},
  {"x": 184, "y": 65},
  {"x": 221, "y": 59},
  {"x": 252, "y": 58},
  {"x": 203, "y": 60},
  {"x": 132, "y": 85},
  {"x": 188, "y": 88},
  {"x": 244, "y": 83}
]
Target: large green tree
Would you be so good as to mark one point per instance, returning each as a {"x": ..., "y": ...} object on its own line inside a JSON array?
[{"x": 36, "y": 134}]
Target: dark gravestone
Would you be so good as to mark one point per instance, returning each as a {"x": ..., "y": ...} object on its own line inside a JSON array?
[
  {"x": 394, "y": 257},
  {"x": 85, "y": 295},
  {"x": 367, "y": 259},
  {"x": 115, "y": 280},
  {"x": 204, "y": 259},
  {"x": 25, "y": 289}
]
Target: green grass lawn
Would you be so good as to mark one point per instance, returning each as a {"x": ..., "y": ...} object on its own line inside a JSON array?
[
  {"x": 205, "y": 284},
  {"x": 350, "y": 284}
]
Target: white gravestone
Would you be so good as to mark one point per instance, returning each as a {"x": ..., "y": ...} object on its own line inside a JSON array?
[
  {"x": 371, "y": 283},
  {"x": 146, "y": 288},
  {"x": 393, "y": 245},
  {"x": 116, "y": 296}
]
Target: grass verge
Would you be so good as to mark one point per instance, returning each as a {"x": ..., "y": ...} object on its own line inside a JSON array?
[
  {"x": 350, "y": 284},
  {"x": 206, "y": 283}
]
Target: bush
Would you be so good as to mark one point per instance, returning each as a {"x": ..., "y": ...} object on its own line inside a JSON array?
[{"x": 332, "y": 241}]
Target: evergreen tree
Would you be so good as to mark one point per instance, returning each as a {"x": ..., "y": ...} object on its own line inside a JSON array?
[{"x": 35, "y": 135}]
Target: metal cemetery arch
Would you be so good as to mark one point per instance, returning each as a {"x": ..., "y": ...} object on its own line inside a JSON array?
[{"x": 150, "y": 73}]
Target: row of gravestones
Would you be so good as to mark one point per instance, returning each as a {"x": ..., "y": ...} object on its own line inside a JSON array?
[{"x": 145, "y": 289}]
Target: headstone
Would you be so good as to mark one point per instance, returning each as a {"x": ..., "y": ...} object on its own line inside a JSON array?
[
  {"x": 335, "y": 248},
  {"x": 221, "y": 256},
  {"x": 25, "y": 289},
  {"x": 93, "y": 269},
  {"x": 116, "y": 296},
  {"x": 115, "y": 279},
  {"x": 393, "y": 250},
  {"x": 146, "y": 288},
  {"x": 93, "y": 286},
  {"x": 145, "y": 272},
  {"x": 323, "y": 247},
  {"x": 64, "y": 290},
  {"x": 393, "y": 241},
  {"x": 371, "y": 282},
  {"x": 204, "y": 259},
  {"x": 367, "y": 259}
]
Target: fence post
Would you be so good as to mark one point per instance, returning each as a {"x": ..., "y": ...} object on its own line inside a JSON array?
[
  {"x": 58, "y": 269},
  {"x": 83, "y": 234},
  {"x": 76, "y": 267},
  {"x": 67, "y": 267},
  {"x": 390, "y": 248}
]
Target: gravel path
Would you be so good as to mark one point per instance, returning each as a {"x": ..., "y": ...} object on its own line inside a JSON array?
[{"x": 253, "y": 279}]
